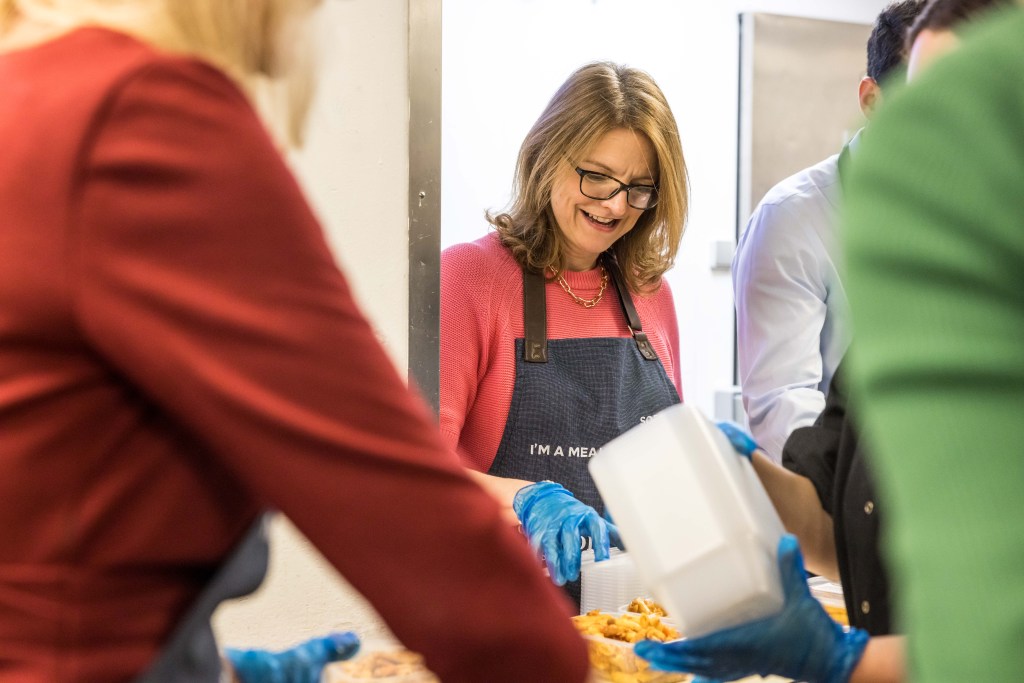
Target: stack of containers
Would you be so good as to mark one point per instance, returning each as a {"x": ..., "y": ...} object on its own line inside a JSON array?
[
  {"x": 696, "y": 520},
  {"x": 830, "y": 595},
  {"x": 608, "y": 585}
]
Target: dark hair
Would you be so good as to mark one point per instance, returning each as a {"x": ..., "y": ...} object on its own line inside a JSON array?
[
  {"x": 886, "y": 49},
  {"x": 939, "y": 15}
]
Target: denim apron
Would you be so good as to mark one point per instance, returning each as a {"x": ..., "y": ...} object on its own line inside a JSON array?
[
  {"x": 191, "y": 654},
  {"x": 572, "y": 396}
]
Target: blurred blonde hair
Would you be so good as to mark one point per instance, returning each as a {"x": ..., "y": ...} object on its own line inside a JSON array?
[
  {"x": 596, "y": 99},
  {"x": 257, "y": 42}
]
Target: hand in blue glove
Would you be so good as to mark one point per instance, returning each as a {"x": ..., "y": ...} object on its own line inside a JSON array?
[
  {"x": 300, "y": 664},
  {"x": 556, "y": 524},
  {"x": 614, "y": 538},
  {"x": 742, "y": 442},
  {"x": 801, "y": 642}
]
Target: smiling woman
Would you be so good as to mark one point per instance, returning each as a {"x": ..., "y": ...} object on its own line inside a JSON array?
[
  {"x": 617, "y": 120},
  {"x": 537, "y": 359},
  {"x": 590, "y": 209}
]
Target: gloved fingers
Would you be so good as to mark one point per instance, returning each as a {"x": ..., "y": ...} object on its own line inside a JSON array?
[
  {"x": 791, "y": 567},
  {"x": 255, "y": 666},
  {"x": 344, "y": 645},
  {"x": 674, "y": 656},
  {"x": 570, "y": 553},
  {"x": 800, "y": 643},
  {"x": 303, "y": 663},
  {"x": 550, "y": 548},
  {"x": 597, "y": 529},
  {"x": 742, "y": 442},
  {"x": 614, "y": 537}
]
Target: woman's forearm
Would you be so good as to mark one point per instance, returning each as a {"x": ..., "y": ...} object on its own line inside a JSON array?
[
  {"x": 502, "y": 489},
  {"x": 798, "y": 505}
]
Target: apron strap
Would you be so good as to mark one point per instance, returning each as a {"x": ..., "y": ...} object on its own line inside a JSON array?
[
  {"x": 628, "y": 309},
  {"x": 535, "y": 318}
]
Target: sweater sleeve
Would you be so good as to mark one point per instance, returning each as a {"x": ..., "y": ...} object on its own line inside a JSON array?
[
  {"x": 473, "y": 324},
  {"x": 935, "y": 253},
  {"x": 203, "y": 277}
]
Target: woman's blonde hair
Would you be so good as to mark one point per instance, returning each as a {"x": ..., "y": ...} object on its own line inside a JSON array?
[
  {"x": 254, "y": 41},
  {"x": 596, "y": 99}
]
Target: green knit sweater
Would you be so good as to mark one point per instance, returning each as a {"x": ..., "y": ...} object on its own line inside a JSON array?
[{"x": 934, "y": 236}]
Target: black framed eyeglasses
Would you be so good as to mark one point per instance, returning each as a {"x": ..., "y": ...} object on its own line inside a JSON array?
[{"x": 600, "y": 186}]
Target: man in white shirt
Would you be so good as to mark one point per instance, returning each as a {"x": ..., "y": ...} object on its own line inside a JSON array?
[{"x": 791, "y": 309}]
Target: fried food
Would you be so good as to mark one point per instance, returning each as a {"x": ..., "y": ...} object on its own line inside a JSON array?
[
  {"x": 609, "y": 644},
  {"x": 838, "y": 613},
  {"x": 402, "y": 664},
  {"x": 627, "y": 627},
  {"x": 646, "y": 606}
]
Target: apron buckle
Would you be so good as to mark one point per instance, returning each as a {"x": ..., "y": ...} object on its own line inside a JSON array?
[{"x": 643, "y": 344}]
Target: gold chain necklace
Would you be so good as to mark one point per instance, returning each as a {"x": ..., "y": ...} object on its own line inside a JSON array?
[{"x": 586, "y": 303}]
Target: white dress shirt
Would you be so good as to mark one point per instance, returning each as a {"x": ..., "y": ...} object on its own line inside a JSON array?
[{"x": 791, "y": 308}]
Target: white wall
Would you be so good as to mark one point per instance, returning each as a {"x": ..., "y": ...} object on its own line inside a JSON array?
[
  {"x": 356, "y": 173},
  {"x": 504, "y": 60}
]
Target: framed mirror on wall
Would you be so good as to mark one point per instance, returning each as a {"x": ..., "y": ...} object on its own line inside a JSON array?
[{"x": 798, "y": 97}]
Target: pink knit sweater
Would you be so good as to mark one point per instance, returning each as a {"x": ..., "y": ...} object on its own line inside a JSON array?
[{"x": 482, "y": 316}]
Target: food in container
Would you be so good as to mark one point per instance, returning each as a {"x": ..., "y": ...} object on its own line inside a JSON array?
[
  {"x": 643, "y": 605},
  {"x": 394, "y": 665},
  {"x": 610, "y": 638}
]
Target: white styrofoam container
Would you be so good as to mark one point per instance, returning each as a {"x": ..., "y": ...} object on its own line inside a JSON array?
[{"x": 695, "y": 518}]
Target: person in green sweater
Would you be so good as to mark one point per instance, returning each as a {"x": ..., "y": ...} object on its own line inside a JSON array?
[
  {"x": 800, "y": 642},
  {"x": 935, "y": 254}
]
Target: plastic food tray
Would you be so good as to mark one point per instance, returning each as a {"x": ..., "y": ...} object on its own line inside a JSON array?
[
  {"x": 830, "y": 595},
  {"x": 608, "y": 584},
  {"x": 614, "y": 660}
]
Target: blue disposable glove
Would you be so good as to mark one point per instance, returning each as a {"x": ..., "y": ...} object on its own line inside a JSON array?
[
  {"x": 614, "y": 538},
  {"x": 742, "y": 442},
  {"x": 801, "y": 642},
  {"x": 300, "y": 664},
  {"x": 556, "y": 524}
]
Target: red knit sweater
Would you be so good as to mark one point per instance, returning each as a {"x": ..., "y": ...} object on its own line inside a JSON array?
[
  {"x": 482, "y": 316},
  {"x": 177, "y": 351}
]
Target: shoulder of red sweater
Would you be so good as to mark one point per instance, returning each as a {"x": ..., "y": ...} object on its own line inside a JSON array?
[
  {"x": 117, "y": 59},
  {"x": 656, "y": 295},
  {"x": 480, "y": 276},
  {"x": 488, "y": 247},
  {"x": 484, "y": 258},
  {"x": 115, "y": 55}
]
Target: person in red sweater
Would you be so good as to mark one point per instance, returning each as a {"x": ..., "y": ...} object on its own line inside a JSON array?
[
  {"x": 558, "y": 331},
  {"x": 179, "y": 352}
]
